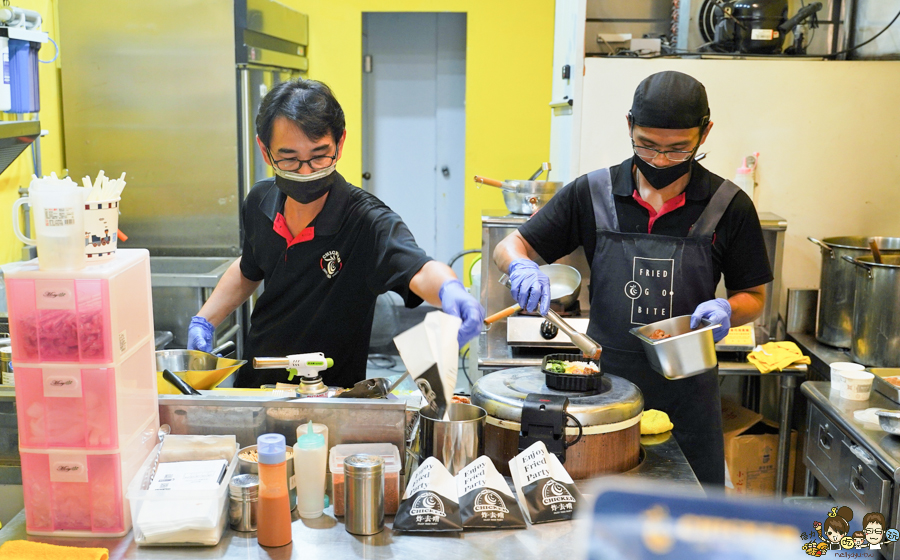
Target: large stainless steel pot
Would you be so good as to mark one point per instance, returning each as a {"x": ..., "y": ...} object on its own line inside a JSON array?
[
  {"x": 527, "y": 197},
  {"x": 836, "y": 285},
  {"x": 876, "y": 314}
]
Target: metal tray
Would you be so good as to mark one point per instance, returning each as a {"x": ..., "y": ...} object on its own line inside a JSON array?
[{"x": 883, "y": 387}]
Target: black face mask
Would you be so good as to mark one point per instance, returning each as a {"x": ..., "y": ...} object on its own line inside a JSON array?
[
  {"x": 305, "y": 192},
  {"x": 660, "y": 178}
]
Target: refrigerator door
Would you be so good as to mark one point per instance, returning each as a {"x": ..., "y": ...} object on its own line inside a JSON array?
[
  {"x": 255, "y": 82},
  {"x": 154, "y": 95}
]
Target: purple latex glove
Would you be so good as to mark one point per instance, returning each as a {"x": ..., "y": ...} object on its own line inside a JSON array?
[
  {"x": 529, "y": 286},
  {"x": 716, "y": 311},
  {"x": 200, "y": 334},
  {"x": 456, "y": 301}
]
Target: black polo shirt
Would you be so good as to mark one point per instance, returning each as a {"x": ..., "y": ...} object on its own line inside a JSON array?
[
  {"x": 567, "y": 222},
  {"x": 321, "y": 286}
]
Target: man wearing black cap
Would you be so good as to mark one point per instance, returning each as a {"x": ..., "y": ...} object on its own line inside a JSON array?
[{"x": 659, "y": 231}]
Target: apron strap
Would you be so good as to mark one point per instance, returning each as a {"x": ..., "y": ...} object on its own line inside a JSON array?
[
  {"x": 602, "y": 199},
  {"x": 705, "y": 226}
]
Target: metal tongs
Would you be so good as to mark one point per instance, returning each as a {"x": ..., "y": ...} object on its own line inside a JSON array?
[{"x": 586, "y": 344}]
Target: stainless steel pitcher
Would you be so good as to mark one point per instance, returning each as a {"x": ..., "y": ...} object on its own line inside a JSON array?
[{"x": 455, "y": 442}]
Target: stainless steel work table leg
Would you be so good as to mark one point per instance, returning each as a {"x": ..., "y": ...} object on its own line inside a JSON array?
[{"x": 788, "y": 384}]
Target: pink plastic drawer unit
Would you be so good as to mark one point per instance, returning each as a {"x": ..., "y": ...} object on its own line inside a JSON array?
[
  {"x": 96, "y": 406},
  {"x": 81, "y": 493},
  {"x": 92, "y": 315}
]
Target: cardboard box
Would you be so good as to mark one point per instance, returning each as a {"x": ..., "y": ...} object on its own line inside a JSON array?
[{"x": 751, "y": 451}]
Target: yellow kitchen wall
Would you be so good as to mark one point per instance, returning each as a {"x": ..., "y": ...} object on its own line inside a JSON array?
[
  {"x": 509, "y": 56},
  {"x": 18, "y": 174}
]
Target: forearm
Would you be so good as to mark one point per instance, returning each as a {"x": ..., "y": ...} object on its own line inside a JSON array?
[
  {"x": 511, "y": 248},
  {"x": 428, "y": 281},
  {"x": 232, "y": 290},
  {"x": 746, "y": 305}
]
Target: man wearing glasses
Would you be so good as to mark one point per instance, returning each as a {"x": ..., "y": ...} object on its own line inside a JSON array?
[
  {"x": 659, "y": 231},
  {"x": 325, "y": 249}
]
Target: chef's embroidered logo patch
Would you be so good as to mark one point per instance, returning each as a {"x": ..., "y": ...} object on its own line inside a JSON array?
[{"x": 331, "y": 263}]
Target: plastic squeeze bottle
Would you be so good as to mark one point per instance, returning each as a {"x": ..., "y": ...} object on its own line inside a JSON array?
[
  {"x": 309, "y": 469},
  {"x": 743, "y": 178},
  {"x": 274, "y": 509}
]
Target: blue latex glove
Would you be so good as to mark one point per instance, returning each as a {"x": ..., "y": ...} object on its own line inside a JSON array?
[
  {"x": 717, "y": 311},
  {"x": 456, "y": 301},
  {"x": 200, "y": 334},
  {"x": 529, "y": 286}
]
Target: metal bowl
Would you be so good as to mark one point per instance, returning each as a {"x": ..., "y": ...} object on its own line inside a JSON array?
[
  {"x": 529, "y": 196},
  {"x": 201, "y": 370},
  {"x": 889, "y": 420},
  {"x": 687, "y": 353}
]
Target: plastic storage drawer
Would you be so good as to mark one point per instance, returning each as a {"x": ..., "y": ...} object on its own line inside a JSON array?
[
  {"x": 92, "y": 315},
  {"x": 82, "y": 493},
  {"x": 215, "y": 499},
  {"x": 96, "y": 406}
]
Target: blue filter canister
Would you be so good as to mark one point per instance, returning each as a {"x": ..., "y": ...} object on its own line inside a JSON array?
[{"x": 23, "y": 76}]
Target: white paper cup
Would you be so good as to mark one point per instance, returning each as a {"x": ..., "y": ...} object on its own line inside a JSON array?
[
  {"x": 857, "y": 385},
  {"x": 101, "y": 224},
  {"x": 837, "y": 371}
]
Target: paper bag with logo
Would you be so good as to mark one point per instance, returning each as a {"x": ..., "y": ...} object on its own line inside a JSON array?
[
  {"x": 429, "y": 502},
  {"x": 430, "y": 352},
  {"x": 484, "y": 498},
  {"x": 543, "y": 485}
]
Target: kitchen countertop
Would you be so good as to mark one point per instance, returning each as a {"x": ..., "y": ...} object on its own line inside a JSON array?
[
  {"x": 326, "y": 538},
  {"x": 884, "y": 446}
]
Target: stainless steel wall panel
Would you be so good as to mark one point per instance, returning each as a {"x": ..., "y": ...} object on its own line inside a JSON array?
[{"x": 149, "y": 88}]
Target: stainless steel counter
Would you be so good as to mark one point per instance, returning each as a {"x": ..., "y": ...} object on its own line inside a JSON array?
[{"x": 326, "y": 538}]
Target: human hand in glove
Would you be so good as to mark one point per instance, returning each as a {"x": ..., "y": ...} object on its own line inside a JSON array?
[
  {"x": 529, "y": 286},
  {"x": 200, "y": 334},
  {"x": 457, "y": 301},
  {"x": 716, "y": 311}
]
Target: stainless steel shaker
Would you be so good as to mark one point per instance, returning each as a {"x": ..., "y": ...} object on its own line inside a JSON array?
[
  {"x": 364, "y": 494},
  {"x": 244, "y": 493}
]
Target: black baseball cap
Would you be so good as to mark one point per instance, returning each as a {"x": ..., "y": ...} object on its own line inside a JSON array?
[{"x": 670, "y": 100}]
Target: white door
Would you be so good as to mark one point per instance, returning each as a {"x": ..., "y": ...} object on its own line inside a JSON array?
[{"x": 414, "y": 84}]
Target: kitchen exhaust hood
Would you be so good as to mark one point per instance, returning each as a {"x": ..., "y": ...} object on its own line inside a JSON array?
[{"x": 15, "y": 136}]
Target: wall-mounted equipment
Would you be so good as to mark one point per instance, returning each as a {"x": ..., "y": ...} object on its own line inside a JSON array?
[
  {"x": 20, "y": 40},
  {"x": 758, "y": 27}
]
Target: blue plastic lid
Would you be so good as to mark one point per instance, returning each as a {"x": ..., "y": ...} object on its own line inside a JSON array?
[
  {"x": 271, "y": 449},
  {"x": 310, "y": 440}
]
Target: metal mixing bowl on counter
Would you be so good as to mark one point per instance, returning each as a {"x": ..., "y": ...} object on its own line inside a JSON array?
[{"x": 685, "y": 352}]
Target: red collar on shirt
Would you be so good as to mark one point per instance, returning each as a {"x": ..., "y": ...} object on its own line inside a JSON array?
[
  {"x": 281, "y": 228},
  {"x": 667, "y": 207}
]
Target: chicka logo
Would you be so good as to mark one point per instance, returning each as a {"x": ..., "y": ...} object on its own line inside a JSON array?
[{"x": 331, "y": 263}]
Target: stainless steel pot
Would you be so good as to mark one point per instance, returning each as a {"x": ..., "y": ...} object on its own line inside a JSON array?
[
  {"x": 876, "y": 311},
  {"x": 455, "y": 442},
  {"x": 836, "y": 285},
  {"x": 527, "y": 197}
]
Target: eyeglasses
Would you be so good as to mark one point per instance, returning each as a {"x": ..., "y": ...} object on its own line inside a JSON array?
[
  {"x": 293, "y": 164},
  {"x": 874, "y": 531},
  {"x": 648, "y": 154}
]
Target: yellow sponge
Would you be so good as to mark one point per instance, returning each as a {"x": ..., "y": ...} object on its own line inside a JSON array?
[{"x": 655, "y": 422}]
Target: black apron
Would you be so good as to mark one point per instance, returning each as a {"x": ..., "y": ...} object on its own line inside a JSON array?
[{"x": 640, "y": 278}]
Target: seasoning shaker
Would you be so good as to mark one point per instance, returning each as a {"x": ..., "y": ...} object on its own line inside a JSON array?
[
  {"x": 364, "y": 494},
  {"x": 244, "y": 492}
]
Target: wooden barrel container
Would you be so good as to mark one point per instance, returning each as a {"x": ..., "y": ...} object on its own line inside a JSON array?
[{"x": 611, "y": 432}]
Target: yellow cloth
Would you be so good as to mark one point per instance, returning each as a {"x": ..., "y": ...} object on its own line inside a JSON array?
[
  {"x": 776, "y": 356},
  {"x": 655, "y": 422},
  {"x": 27, "y": 550}
]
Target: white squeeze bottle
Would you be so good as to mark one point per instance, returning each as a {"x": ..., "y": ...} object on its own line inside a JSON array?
[
  {"x": 743, "y": 178},
  {"x": 309, "y": 471}
]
